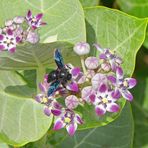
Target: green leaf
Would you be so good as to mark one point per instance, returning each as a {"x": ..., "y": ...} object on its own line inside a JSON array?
[
  {"x": 65, "y": 18},
  {"x": 123, "y": 33},
  {"x": 116, "y": 134},
  {"x": 89, "y": 3},
  {"x": 21, "y": 118},
  {"x": 137, "y": 8},
  {"x": 140, "y": 103},
  {"x": 30, "y": 56}
]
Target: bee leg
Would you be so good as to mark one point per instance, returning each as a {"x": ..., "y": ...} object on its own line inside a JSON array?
[{"x": 64, "y": 83}]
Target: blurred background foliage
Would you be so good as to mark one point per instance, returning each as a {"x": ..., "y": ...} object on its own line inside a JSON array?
[{"x": 139, "y": 106}]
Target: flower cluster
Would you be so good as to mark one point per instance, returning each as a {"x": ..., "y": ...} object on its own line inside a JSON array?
[
  {"x": 100, "y": 83},
  {"x": 20, "y": 29}
]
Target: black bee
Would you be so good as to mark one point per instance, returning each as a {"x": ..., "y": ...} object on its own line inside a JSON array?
[{"x": 59, "y": 76}]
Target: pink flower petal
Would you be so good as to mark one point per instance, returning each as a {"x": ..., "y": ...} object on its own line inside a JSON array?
[
  {"x": 39, "y": 16},
  {"x": 47, "y": 111},
  {"x": 56, "y": 112},
  {"x": 86, "y": 92},
  {"x": 73, "y": 87},
  {"x": 127, "y": 95},
  {"x": 58, "y": 124},
  {"x": 112, "y": 107},
  {"x": 98, "y": 80},
  {"x": 71, "y": 129},
  {"x": 12, "y": 50},
  {"x": 131, "y": 82},
  {"x": 1, "y": 37},
  {"x": 2, "y": 47},
  {"x": 75, "y": 71},
  {"x": 100, "y": 110},
  {"x": 119, "y": 73}
]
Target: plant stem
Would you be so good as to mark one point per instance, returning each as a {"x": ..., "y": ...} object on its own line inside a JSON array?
[
  {"x": 83, "y": 64},
  {"x": 40, "y": 72}
]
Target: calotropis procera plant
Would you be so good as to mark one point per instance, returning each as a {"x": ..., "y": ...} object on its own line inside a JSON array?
[
  {"x": 100, "y": 83},
  {"x": 20, "y": 29},
  {"x": 22, "y": 119}
]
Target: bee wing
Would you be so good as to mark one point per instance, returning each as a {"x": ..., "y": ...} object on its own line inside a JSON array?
[
  {"x": 58, "y": 58},
  {"x": 53, "y": 87}
]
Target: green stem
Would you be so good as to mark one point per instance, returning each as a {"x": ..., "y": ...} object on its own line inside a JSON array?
[
  {"x": 40, "y": 72},
  {"x": 83, "y": 64}
]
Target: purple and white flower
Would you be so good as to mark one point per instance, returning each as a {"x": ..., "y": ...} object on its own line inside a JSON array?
[
  {"x": 109, "y": 57},
  {"x": 8, "y": 41},
  {"x": 68, "y": 119},
  {"x": 122, "y": 85},
  {"x": 34, "y": 21},
  {"x": 104, "y": 101}
]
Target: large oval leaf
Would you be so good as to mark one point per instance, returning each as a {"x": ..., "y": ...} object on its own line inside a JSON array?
[
  {"x": 65, "y": 18},
  {"x": 21, "y": 118},
  {"x": 116, "y": 30},
  {"x": 137, "y": 8}
]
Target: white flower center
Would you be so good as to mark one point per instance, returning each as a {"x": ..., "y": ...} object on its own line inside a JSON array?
[{"x": 105, "y": 100}]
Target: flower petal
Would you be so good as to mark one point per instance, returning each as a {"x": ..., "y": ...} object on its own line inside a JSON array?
[
  {"x": 2, "y": 47},
  {"x": 79, "y": 119},
  {"x": 103, "y": 88},
  {"x": 98, "y": 80},
  {"x": 100, "y": 110},
  {"x": 112, "y": 79},
  {"x": 73, "y": 86},
  {"x": 102, "y": 56},
  {"x": 1, "y": 37},
  {"x": 39, "y": 16},
  {"x": 56, "y": 112},
  {"x": 86, "y": 92},
  {"x": 75, "y": 71},
  {"x": 112, "y": 107},
  {"x": 127, "y": 95},
  {"x": 9, "y": 32},
  {"x": 47, "y": 111},
  {"x": 71, "y": 128},
  {"x": 12, "y": 50},
  {"x": 58, "y": 124},
  {"x": 119, "y": 73},
  {"x": 29, "y": 14},
  {"x": 116, "y": 94},
  {"x": 131, "y": 82}
]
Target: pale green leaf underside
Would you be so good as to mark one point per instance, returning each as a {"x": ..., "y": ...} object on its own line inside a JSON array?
[
  {"x": 35, "y": 56},
  {"x": 137, "y": 8},
  {"x": 21, "y": 118},
  {"x": 65, "y": 18},
  {"x": 118, "y": 134}
]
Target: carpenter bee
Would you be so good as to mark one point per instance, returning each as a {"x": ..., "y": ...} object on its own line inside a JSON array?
[{"x": 60, "y": 76}]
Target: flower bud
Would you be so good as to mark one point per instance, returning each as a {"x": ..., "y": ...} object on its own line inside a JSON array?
[
  {"x": 71, "y": 102},
  {"x": 19, "y": 19},
  {"x": 106, "y": 67},
  {"x": 32, "y": 37},
  {"x": 8, "y": 22},
  {"x": 81, "y": 48},
  {"x": 92, "y": 63}
]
